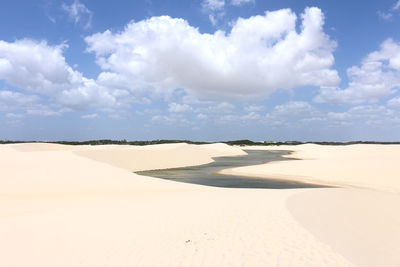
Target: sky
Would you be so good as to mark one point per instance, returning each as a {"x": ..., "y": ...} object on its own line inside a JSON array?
[{"x": 204, "y": 70}]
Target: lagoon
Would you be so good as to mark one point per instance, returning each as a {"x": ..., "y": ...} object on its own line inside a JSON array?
[{"x": 206, "y": 174}]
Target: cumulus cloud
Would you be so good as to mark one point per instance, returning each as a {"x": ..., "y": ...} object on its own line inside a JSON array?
[
  {"x": 14, "y": 115},
  {"x": 376, "y": 78},
  {"x": 293, "y": 108},
  {"x": 251, "y": 116},
  {"x": 28, "y": 103},
  {"x": 258, "y": 56},
  {"x": 389, "y": 53},
  {"x": 389, "y": 14},
  {"x": 201, "y": 116},
  {"x": 364, "y": 114},
  {"x": 79, "y": 13},
  {"x": 213, "y": 4},
  {"x": 217, "y": 108},
  {"x": 178, "y": 108},
  {"x": 252, "y": 108},
  {"x": 241, "y": 2},
  {"x": 215, "y": 10},
  {"x": 173, "y": 119},
  {"x": 34, "y": 66},
  {"x": 298, "y": 114},
  {"x": 10, "y": 100},
  {"x": 42, "y": 110},
  {"x": 384, "y": 15},
  {"x": 90, "y": 116},
  {"x": 394, "y": 102},
  {"x": 41, "y": 69},
  {"x": 293, "y": 114},
  {"x": 338, "y": 115},
  {"x": 396, "y": 6}
]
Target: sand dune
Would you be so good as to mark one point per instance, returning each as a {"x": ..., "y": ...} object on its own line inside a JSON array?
[
  {"x": 361, "y": 166},
  {"x": 83, "y": 206},
  {"x": 141, "y": 158}
]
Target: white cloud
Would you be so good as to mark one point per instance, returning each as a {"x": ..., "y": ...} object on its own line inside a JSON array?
[
  {"x": 363, "y": 114},
  {"x": 389, "y": 53},
  {"x": 298, "y": 114},
  {"x": 147, "y": 111},
  {"x": 388, "y": 15},
  {"x": 396, "y": 6},
  {"x": 215, "y": 10},
  {"x": 376, "y": 78},
  {"x": 29, "y": 104},
  {"x": 90, "y": 116},
  {"x": 385, "y": 16},
  {"x": 178, "y": 108},
  {"x": 115, "y": 116},
  {"x": 214, "y": 108},
  {"x": 293, "y": 114},
  {"x": 14, "y": 116},
  {"x": 201, "y": 116},
  {"x": 39, "y": 68},
  {"x": 79, "y": 13},
  {"x": 171, "y": 120},
  {"x": 190, "y": 99},
  {"x": 10, "y": 100},
  {"x": 293, "y": 108},
  {"x": 394, "y": 102},
  {"x": 253, "y": 108},
  {"x": 228, "y": 119},
  {"x": 41, "y": 110},
  {"x": 338, "y": 115},
  {"x": 251, "y": 116},
  {"x": 215, "y": 18},
  {"x": 260, "y": 55},
  {"x": 241, "y": 2},
  {"x": 224, "y": 107},
  {"x": 34, "y": 66},
  {"x": 213, "y": 5}
]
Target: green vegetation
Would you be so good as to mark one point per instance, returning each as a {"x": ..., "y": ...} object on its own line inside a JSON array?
[
  {"x": 244, "y": 142},
  {"x": 124, "y": 142},
  {"x": 108, "y": 142}
]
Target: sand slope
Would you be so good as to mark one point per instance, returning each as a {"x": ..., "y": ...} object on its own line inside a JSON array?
[
  {"x": 362, "y": 225},
  {"x": 361, "y": 166},
  {"x": 141, "y": 158}
]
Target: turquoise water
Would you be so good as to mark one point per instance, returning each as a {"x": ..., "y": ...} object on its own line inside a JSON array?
[{"x": 205, "y": 174}]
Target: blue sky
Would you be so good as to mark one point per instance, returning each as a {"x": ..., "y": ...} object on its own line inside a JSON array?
[{"x": 201, "y": 70}]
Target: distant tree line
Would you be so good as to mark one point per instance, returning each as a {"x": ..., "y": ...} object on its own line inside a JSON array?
[
  {"x": 244, "y": 142},
  {"x": 109, "y": 142}
]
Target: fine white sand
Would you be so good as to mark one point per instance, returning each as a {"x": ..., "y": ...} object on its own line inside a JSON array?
[
  {"x": 361, "y": 166},
  {"x": 83, "y": 206},
  {"x": 140, "y": 158},
  {"x": 362, "y": 225}
]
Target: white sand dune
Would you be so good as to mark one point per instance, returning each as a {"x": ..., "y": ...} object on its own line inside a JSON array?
[
  {"x": 83, "y": 206},
  {"x": 361, "y": 166},
  {"x": 140, "y": 158}
]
